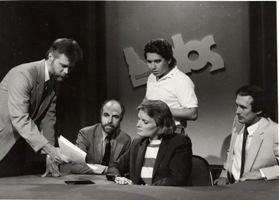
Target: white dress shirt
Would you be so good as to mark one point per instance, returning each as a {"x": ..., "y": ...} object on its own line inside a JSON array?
[{"x": 236, "y": 165}]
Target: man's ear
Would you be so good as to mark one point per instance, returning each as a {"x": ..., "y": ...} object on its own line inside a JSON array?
[
  {"x": 50, "y": 57},
  {"x": 121, "y": 117}
]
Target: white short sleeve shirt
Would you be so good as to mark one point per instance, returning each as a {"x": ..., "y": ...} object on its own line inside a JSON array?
[{"x": 176, "y": 89}]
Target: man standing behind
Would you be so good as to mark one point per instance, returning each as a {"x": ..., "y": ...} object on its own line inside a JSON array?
[
  {"x": 104, "y": 142},
  {"x": 168, "y": 84},
  {"x": 27, "y": 109},
  {"x": 254, "y": 148}
]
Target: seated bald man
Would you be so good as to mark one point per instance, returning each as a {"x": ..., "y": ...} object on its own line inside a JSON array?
[{"x": 103, "y": 142}]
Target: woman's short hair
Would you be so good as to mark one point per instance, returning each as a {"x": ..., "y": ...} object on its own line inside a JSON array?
[
  {"x": 161, "y": 47},
  {"x": 160, "y": 112}
]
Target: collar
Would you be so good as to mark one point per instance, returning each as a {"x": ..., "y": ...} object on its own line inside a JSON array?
[
  {"x": 104, "y": 135},
  {"x": 46, "y": 73},
  {"x": 252, "y": 129},
  {"x": 170, "y": 74},
  {"x": 155, "y": 141}
]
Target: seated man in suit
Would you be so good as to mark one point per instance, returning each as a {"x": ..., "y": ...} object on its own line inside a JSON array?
[
  {"x": 254, "y": 148},
  {"x": 103, "y": 142}
]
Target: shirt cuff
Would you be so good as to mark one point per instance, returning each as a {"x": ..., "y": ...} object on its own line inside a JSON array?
[
  {"x": 262, "y": 174},
  {"x": 271, "y": 172}
]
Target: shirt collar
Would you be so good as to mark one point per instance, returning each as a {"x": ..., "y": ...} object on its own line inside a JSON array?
[
  {"x": 252, "y": 129},
  {"x": 46, "y": 73},
  {"x": 170, "y": 73},
  {"x": 155, "y": 141},
  {"x": 104, "y": 135}
]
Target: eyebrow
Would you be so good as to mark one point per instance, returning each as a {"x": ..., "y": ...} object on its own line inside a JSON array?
[{"x": 64, "y": 65}]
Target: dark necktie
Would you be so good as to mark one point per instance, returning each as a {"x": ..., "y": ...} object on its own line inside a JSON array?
[
  {"x": 106, "y": 157},
  {"x": 243, "y": 151},
  {"x": 46, "y": 88}
]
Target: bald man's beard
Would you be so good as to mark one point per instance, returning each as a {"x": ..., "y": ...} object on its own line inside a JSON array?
[{"x": 109, "y": 128}]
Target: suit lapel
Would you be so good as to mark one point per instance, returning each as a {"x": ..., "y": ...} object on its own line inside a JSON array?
[
  {"x": 38, "y": 89},
  {"x": 140, "y": 156},
  {"x": 161, "y": 153},
  {"x": 255, "y": 145},
  {"x": 117, "y": 147},
  {"x": 98, "y": 143},
  {"x": 49, "y": 96}
]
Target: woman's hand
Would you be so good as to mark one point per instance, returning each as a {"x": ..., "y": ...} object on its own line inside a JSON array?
[{"x": 123, "y": 181}]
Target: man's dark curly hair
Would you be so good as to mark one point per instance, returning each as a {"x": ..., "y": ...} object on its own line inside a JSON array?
[{"x": 161, "y": 47}]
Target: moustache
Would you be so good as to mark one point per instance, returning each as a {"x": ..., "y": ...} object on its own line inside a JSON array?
[{"x": 108, "y": 125}]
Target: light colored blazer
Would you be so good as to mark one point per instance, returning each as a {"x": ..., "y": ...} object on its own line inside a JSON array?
[
  {"x": 263, "y": 152},
  {"x": 22, "y": 113}
]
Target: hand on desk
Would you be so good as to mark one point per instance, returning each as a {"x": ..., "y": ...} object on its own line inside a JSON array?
[
  {"x": 53, "y": 159},
  {"x": 254, "y": 175},
  {"x": 52, "y": 168},
  {"x": 221, "y": 181},
  {"x": 123, "y": 181}
]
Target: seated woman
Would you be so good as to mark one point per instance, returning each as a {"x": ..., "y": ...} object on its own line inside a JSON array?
[{"x": 159, "y": 156}]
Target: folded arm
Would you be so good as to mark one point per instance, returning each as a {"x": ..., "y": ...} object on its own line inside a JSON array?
[{"x": 185, "y": 113}]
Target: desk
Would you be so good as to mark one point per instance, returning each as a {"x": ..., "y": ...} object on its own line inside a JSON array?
[{"x": 35, "y": 187}]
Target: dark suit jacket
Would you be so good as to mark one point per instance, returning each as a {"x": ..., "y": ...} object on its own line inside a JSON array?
[
  {"x": 172, "y": 167},
  {"x": 22, "y": 113},
  {"x": 90, "y": 140}
]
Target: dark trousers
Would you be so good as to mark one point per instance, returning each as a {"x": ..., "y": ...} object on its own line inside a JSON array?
[{"x": 22, "y": 160}]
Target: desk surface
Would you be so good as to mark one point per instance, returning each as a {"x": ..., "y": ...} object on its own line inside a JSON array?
[{"x": 35, "y": 187}]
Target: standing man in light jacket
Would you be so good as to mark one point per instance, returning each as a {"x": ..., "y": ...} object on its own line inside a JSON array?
[
  {"x": 27, "y": 109},
  {"x": 254, "y": 148}
]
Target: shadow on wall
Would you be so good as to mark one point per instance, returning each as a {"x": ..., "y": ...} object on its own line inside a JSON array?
[
  {"x": 225, "y": 146},
  {"x": 217, "y": 168}
]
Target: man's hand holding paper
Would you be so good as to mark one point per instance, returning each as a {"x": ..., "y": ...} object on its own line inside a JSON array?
[{"x": 71, "y": 152}]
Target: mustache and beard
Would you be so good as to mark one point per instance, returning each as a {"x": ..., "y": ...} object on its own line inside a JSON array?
[{"x": 109, "y": 128}]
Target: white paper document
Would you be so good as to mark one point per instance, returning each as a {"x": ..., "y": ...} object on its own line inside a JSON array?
[
  {"x": 71, "y": 151},
  {"x": 97, "y": 168}
]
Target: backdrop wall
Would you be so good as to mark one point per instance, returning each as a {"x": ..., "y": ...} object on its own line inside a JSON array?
[
  {"x": 135, "y": 23},
  {"x": 245, "y": 36}
]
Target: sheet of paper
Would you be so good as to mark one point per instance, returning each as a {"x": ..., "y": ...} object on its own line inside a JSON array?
[
  {"x": 71, "y": 151},
  {"x": 92, "y": 166},
  {"x": 97, "y": 168}
]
